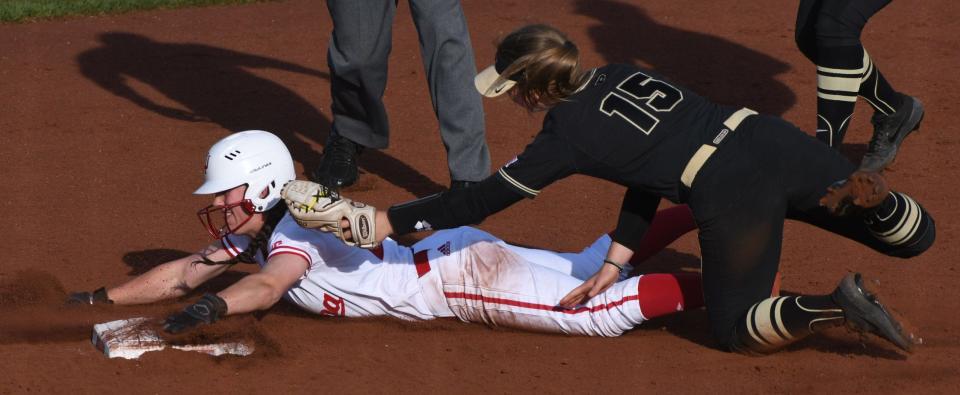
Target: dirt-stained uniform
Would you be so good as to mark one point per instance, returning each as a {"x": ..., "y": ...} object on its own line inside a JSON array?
[{"x": 741, "y": 173}]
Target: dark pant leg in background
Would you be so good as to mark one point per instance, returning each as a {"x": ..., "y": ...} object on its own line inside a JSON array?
[
  {"x": 357, "y": 57},
  {"x": 828, "y": 33},
  {"x": 450, "y": 68}
]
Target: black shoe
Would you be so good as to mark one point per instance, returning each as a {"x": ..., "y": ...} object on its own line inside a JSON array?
[
  {"x": 455, "y": 184},
  {"x": 338, "y": 166},
  {"x": 889, "y": 131},
  {"x": 865, "y": 314}
]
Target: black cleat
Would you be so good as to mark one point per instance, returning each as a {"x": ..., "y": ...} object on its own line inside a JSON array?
[
  {"x": 889, "y": 131},
  {"x": 865, "y": 314},
  {"x": 338, "y": 166}
]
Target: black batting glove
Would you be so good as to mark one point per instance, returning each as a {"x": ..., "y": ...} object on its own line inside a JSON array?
[
  {"x": 96, "y": 297},
  {"x": 206, "y": 311}
]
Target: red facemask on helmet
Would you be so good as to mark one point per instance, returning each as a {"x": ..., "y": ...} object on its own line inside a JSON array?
[{"x": 215, "y": 219}]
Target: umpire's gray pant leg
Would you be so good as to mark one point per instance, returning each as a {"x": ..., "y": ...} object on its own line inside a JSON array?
[
  {"x": 357, "y": 57},
  {"x": 448, "y": 61}
]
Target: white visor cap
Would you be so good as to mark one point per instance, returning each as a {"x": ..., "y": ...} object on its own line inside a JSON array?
[{"x": 486, "y": 82}]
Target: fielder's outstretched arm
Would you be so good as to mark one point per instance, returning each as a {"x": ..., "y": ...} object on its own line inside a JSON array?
[
  {"x": 445, "y": 210},
  {"x": 452, "y": 208}
]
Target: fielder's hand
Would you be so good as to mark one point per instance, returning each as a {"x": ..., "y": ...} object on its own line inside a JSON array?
[
  {"x": 96, "y": 297},
  {"x": 594, "y": 285},
  {"x": 206, "y": 311},
  {"x": 315, "y": 206}
]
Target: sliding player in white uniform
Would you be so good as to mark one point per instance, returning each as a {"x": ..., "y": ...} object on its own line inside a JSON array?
[{"x": 464, "y": 272}]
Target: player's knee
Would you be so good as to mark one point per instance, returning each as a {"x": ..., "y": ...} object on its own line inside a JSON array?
[
  {"x": 727, "y": 339},
  {"x": 927, "y": 235},
  {"x": 756, "y": 342},
  {"x": 732, "y": 341},
  {"x": 358, "y": 66},
  {"x": 807, "y": 46},
  {"x": 837, "y": 30},
  {"x": 903, "y": 226}
]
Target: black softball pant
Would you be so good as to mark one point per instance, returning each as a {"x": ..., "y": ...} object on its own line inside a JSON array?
[
  {"x": 832, "y": 23},
  {"x": 767, "y": 171}
]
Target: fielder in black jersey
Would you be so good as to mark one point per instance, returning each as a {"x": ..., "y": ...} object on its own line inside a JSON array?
[
  {"x": 828, "y": 33},
  {"x": 740, "y": 172}
]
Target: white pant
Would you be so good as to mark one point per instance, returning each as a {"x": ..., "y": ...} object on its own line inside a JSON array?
[{"x": 479, "y": 278}]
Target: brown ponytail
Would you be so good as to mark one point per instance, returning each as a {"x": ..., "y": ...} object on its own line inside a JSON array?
[{"x": 544, "y": 63}]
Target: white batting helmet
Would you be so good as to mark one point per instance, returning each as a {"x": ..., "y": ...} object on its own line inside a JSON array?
[{"x": 253, "y": 157}]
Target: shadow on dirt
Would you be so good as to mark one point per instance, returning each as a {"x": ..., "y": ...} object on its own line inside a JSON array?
[
  {"x": 724, "y": 71},
  {"x": 209, "y": 84},
  {"x": 142, "y": 261},
  {"x": 694, "y": 326}
]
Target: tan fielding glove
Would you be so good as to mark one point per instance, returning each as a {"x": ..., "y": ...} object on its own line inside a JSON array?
[{"x": 315, "y": 206}]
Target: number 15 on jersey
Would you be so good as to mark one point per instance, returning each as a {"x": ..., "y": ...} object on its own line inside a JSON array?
[{"x": 639, "y": 98}]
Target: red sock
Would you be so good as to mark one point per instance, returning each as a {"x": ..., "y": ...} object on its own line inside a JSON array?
[
  {"x": 668, "y": 225},
  {"x": 667, "y": 293}
]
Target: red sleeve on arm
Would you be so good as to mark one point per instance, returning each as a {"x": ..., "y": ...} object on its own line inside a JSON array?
[{"x": 667, "y": 226}]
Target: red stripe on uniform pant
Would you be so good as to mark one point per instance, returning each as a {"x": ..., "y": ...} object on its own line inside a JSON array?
[
  {"x": 421, "y": 262},
  {"x": 537, "y": 306},
  {"x": 661, "y": 294}
]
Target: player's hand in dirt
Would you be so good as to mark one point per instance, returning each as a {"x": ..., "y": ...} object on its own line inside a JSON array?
[
  {"x": 98, "y": 296},
  {"x": 596, "y": 284},
  {"x": 206, "y": 311}
]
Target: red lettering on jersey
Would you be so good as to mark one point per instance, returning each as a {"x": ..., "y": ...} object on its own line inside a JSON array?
[
  {"x": 277, "y": 244},
  {"x": 333, "y": 306}
]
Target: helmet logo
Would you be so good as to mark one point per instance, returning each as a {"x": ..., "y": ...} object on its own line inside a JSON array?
[{"x": 261, "y": 167}]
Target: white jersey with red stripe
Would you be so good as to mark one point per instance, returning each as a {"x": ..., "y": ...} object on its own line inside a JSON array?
[
  {"x": 463, "y": 272},
  {"x": 343, "y": 280}
]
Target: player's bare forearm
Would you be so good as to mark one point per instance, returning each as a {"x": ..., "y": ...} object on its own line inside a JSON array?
[
  {"x": 260, "y": 291},
  {"x": 606, "y": 276},
  {"x": 619, "y": 253},
  {"x": 252, "y": 293},
  {"x": 169, "y": 280},
  {"x": 384, "y": 228}
]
